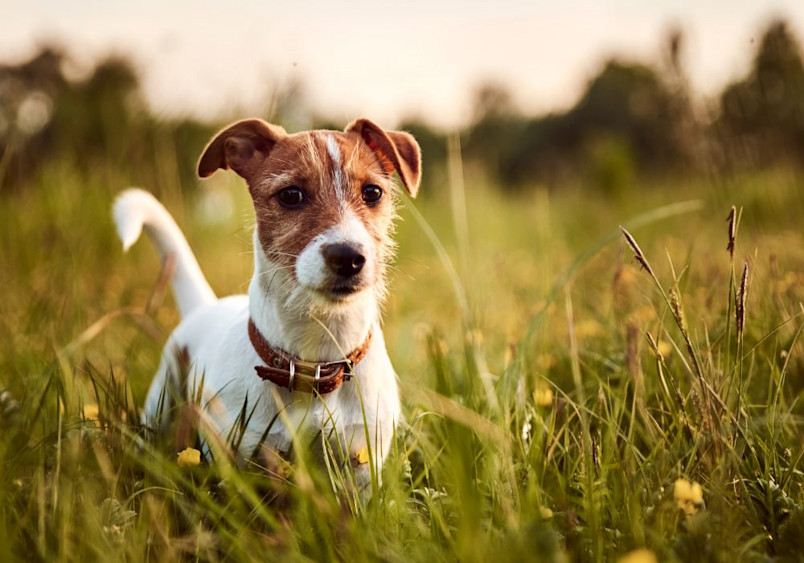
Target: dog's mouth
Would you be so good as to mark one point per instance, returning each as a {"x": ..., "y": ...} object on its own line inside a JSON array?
[{"x": 343, "y": 289}]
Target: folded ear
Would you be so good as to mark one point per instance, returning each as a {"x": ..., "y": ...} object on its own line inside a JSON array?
[
  {"x": 396, "y": 150},
  {"x": 241, "y": 146}
]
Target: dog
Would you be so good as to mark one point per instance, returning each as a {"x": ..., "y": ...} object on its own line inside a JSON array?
[{"x": 303, "y": 352}]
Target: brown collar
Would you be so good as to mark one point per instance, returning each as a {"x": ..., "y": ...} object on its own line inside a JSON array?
[{"x": 298, "y": 375}]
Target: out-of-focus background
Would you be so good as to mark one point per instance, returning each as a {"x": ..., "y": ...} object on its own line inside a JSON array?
[{"x": 540, "y": 92}]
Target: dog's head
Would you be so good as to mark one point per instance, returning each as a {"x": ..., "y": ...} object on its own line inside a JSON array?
[{"x": 324, "y": 202}]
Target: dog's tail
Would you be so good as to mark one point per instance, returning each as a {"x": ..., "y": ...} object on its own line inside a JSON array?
[{"x": 135, "y": 209}]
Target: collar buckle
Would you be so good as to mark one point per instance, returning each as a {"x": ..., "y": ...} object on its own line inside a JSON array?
[
  {"x": 322, "y": 377},
  {"x": 292, "y": 371},
  {"x": 348, "y": 369}
]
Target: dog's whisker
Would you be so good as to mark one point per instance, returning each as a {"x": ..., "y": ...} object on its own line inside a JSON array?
[
  {"x": 275, "y": 268},
  {"x": 280, "y": 253}
]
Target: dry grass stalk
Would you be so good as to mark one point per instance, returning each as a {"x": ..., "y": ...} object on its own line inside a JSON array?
[
  {"x": 675, "y": 396},
  {"x": 632, "y": 358},
  {"x": 705, "y": 398},
  {"x": 742, "y": 293}
]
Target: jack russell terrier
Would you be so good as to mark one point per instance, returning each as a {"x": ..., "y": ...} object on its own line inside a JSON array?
[{"x": 303, "y": 352}]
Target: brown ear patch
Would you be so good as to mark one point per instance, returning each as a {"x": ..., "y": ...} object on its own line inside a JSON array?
[
  {"x": 385, "y": 162},
  {"x": 396, "y": 150},
  {"x": 241, "y": 146}
]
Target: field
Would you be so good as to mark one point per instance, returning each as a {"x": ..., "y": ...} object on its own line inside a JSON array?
[{"x": 564, "y": 400}]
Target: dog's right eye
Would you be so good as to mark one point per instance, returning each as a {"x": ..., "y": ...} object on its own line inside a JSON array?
[{"x": 290, "y": 197}]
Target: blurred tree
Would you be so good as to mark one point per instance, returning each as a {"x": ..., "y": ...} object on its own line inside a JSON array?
[
  {"x": 494, "y": 129},
  {"x": 610, "y": 166},
  {"x": 690, "y": 129},
  {"x": 631, "y": 102},
  {"x": 762, "y": 116},
  {"x": 99, "y": 116},
  {"x": 100, "y": 124},
  {"x": 627, "y": 109},
  {"x": 631, "y": 119},
  {"x": 27, "y": 92}
]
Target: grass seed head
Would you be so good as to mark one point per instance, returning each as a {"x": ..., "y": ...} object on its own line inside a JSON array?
[
  {"x": 653, "y": 345},
  {"x": 638, "y": 254},
  {"x": 678, "y": 310},
  {"x": 732, "y": 219}
]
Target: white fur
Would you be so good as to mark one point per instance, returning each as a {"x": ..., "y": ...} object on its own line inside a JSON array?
[
  {"x": 291, "y": 316},
  {"x": 337, "y": 168},
  {"x": 135, "y": 209},
  {"x": 311, "y": 270}
]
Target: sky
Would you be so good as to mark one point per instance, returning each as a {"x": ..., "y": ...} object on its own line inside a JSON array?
[{"x": 387, "y": 60}]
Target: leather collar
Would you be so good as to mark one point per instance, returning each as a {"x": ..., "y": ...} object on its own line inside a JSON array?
[{"x": 292, "y": 373}]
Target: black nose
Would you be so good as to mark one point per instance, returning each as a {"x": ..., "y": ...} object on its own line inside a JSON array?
[{"x": 343, "y": 259}]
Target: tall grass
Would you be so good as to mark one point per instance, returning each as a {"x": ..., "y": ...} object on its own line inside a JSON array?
[{"x": 565, "y": 386}]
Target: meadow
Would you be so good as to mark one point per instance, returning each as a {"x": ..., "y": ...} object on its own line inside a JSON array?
[{"x": 570, "y": 393}]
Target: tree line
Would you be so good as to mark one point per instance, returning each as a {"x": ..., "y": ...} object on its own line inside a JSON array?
[{"x": 633, "y": 119}]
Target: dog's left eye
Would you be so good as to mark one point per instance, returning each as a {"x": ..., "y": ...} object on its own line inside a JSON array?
[
  {"x": 290, "y": 197},
  {"x": 372, "y": 194}
]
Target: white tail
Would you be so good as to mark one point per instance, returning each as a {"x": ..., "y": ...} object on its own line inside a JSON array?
[{"x": 135, "y": 209}]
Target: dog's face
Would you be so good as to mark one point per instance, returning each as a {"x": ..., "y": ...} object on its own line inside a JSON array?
[{"x": 324, "y": 201}]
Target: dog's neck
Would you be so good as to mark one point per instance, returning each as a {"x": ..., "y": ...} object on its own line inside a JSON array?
[{"x": 291, "y": 319}]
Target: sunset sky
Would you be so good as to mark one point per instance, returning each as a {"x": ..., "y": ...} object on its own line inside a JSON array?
[{"x": 388, "y": 60}]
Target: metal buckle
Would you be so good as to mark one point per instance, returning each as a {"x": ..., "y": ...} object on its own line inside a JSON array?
[
  {"x": 292, "y": 374},
  {"x": 348, "y": 370},
  {"x": 317, "y": 375}
]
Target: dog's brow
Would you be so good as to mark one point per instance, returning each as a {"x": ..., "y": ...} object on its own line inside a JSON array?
[
  {"x": 352, "y": 156},
  {"x": 280, "y": 178},
  {"x": 308, "y": 156}
]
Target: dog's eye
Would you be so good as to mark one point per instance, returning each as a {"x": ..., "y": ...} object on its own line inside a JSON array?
[
  {"x": 290, "y": 197},
  {"x": 372, "y": 194}
]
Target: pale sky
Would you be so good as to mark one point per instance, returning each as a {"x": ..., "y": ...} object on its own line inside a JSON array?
[{"x": 387, "y": 60}]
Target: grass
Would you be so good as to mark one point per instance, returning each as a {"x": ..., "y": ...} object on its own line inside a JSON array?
[{"x": 558, "y": 379}]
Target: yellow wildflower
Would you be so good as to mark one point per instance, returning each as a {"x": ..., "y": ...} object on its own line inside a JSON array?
[
  {"x": 91, "y": 412},
  {"x": 665, "y": 348},
  {"x": 643, "y": 315},
  {"x": 689, "y": 496},
  {"x": 588, "y": 328},
  {"x": 545, "y": 513},
  {"x": 189, "y": 457},
  {"x": 640, "y": 555},
  {"x": 543, "y": 396},
  {"x": 474, "y": 337},
  {"x": 285, "y": 470},
  {"x": 545, "y": 361},
  {"x": 362, "y": 456}
]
